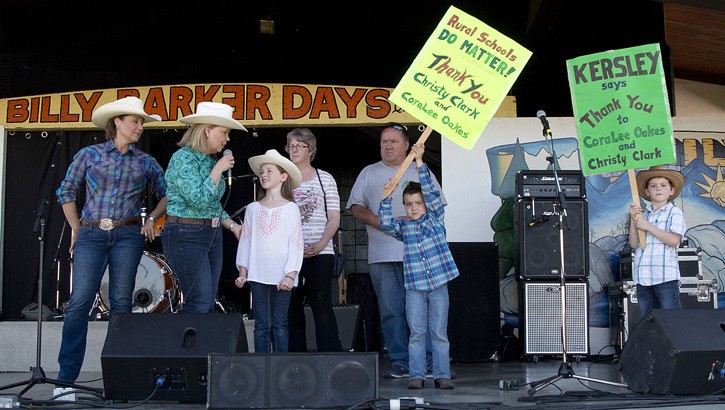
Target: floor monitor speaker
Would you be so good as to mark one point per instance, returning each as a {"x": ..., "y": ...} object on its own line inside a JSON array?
[
  {"x": 142, "y": 350},
  {"x": 291, "y": 380},
  {"x": 679, "y": 352}
]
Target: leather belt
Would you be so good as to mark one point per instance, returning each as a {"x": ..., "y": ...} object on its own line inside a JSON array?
[
  {"x": 108, "y": 224},
  {"x": 214, "y": 222}
]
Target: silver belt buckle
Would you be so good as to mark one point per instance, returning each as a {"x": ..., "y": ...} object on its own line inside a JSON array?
[
  {"x": 215, "y": 222},
  {"x": 106, "y": 224}
]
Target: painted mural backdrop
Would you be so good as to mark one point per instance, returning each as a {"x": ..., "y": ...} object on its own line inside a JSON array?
[{"x": 701, "y": 158}]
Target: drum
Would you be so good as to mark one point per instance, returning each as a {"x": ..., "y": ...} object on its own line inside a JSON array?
[{"x": 156, "y": 290}]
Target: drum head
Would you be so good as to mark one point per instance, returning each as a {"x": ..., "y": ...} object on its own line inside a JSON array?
[{"x": 155, "y": 289}]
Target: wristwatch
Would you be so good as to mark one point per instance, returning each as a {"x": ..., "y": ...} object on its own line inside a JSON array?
[{"x": 151, "y": 218}]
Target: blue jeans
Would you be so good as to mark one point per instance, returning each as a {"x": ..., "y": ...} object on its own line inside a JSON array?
[
  {"x": 194, "y": 253},
  {"x": 661, "y": 296},
  {"x": 270, "y": 307},
  {"x": 315, "y": 284},
  {"x": 120, "y": 249},
  {"x": 428, "y": 318},
  {"x": 387, "y": 278}
]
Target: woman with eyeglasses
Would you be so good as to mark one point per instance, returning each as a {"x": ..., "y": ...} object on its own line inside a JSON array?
[{"x": 319, "y": 205}]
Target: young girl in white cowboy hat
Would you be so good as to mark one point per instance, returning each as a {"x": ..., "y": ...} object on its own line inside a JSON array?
[
  {"x": 114, "y": 175},
  {"x": 656, "y": 269},
  {"x": 192, "y": 235},
  {"x": 270, "y": 250}
]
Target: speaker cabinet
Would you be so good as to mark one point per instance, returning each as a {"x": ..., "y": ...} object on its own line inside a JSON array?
[
  {"x": 141, "y": 348},
  {"x": 291, "y": 380},
  {"x": 676, "y": 352},
  {"x": 348, "y": 322},
  {"x": 474, "y": 315},
  {"x": 542, "y": 318},
  {"x": 538, "y": 250}
]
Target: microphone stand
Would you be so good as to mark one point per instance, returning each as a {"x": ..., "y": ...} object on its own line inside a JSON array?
[
  {"x": 56, "y": 262},
  {"x": 565, "y": 369},
  {"x": 38, "y": 374}
]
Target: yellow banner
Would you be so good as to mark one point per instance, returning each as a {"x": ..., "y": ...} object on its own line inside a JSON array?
[
  {"x": 460, "y": 77},
  {"x": 255, "y": 105}
]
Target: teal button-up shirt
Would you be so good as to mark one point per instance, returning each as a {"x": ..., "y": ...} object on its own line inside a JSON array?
[{"x": 191, "y": 193}]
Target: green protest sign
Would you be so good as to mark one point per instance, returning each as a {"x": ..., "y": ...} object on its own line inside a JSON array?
[
  {"x": 460, "y": 77},
  {"x": 621, "y": 109}
]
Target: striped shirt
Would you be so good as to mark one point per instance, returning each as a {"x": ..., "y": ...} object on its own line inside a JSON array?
[
  {"x": 114, "y": 182},
  {"x": 427, "y": 260},
  {"x": 192, "y": 194},
  {"x": 310, "y": 199},
  {"x": 658, "y": 263}
]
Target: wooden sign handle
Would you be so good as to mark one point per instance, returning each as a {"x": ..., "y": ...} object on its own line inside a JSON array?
[
  {"x": 406, "y": 163},
  {"x": 635, "y": 200}
]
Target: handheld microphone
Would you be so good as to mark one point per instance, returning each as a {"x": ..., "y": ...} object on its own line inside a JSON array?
[
  {"x": 229, "y": 171},
  {"x": 542, "y": 116},
  {"x": 539, "y": 220}
]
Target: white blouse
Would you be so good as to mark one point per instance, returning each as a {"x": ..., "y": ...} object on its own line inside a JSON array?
[{"x": 271, "y": 243}]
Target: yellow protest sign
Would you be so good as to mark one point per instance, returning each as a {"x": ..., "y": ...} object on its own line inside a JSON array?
[{"x": 460, "y": 77}]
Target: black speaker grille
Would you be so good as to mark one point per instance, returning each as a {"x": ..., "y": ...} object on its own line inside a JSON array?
[
  {"x": 538, "y": 251},
  {"x": 291, "y": 380}
]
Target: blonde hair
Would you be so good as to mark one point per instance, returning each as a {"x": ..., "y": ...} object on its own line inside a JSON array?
[
  {"x": 195, "y": 137},
  {"x": 285, "y": 189}
]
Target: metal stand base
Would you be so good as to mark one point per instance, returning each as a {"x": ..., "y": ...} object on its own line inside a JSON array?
[
  {"x": 566, "y": 372},
  {"x": 38, "y": 377}
]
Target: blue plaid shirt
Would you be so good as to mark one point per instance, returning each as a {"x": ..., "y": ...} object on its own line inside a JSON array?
[
  {"x": 114, "y": 182},
  {"x": 658, "y": 262},
  {"x": 427, "y": 260}
]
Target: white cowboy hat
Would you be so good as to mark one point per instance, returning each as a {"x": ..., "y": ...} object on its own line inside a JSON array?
[
  {"x": 124, "y": 106},
  {"x": 659, "y": 171},
  {"x": 274, "y": 157},
  {"x": 213, "y": 113}
]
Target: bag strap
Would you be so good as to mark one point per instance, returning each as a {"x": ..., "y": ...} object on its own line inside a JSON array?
[
  {"x": 324, "y": 195},
  {"x": 336, "y": 238}
]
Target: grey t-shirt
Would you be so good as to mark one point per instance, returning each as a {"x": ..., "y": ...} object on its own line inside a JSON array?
[{"x": 368, "y": 191}]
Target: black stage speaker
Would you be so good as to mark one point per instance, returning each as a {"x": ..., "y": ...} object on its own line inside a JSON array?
[
  {"x": 474, "y": 324},
  {"x": 676, "y": 352},
  {"x": 142, "y": 348},
  {"x": 291, "y": 380},
  {"x": 542, "y": 318},
  {"x": 348, "y": 321},
  {"x": 538, "y": 251}
]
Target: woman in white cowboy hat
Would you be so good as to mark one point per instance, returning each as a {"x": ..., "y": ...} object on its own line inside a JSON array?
[
  {"x": 656, "y": 269},
  {"x": 270, "y": 250},
  {"x": 192, "y": 236},
  {"x": 115, "y": 175}
]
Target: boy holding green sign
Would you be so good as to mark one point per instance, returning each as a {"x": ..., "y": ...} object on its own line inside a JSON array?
[{"x": 656, "y": 268}]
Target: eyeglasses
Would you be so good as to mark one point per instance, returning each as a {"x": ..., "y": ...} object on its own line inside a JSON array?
[
  {"x": 297, "y": 147},
  {"x": 399, "y": 127}
]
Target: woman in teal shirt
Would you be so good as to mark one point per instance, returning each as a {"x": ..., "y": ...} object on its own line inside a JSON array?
[{"x": 192, "y": 236}]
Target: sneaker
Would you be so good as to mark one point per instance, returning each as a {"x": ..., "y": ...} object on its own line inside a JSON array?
[
  {"x": 396, "y": 371},
  {"x": 429, "y": 375}
]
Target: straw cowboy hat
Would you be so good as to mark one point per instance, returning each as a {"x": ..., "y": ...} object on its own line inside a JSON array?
[
  {"x": 274, "y": 157},
  {"x": 124, "y": 106},
  {"x": 659, "y": 171},
  {"x": 213, "y": 113}
]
